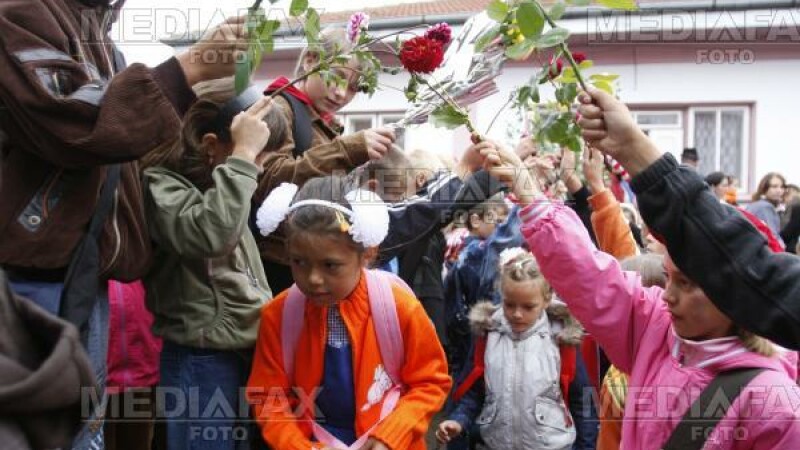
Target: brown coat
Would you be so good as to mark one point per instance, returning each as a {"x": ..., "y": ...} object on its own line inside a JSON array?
[
  {"x": 328, "y": 153},
  {"x": 42, "y": 370},
  {"x": 65, "y": 118}
]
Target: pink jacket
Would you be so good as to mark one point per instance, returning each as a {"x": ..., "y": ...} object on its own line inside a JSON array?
[{"x": 635, "y": 329}]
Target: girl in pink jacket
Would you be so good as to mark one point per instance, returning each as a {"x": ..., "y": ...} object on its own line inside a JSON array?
[{"x": 671, "y": 341}]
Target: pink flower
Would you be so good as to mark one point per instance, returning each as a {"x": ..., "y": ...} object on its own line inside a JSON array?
[
  {"x": 440, "y": 32},
  {"x": 358, "y": 22}
]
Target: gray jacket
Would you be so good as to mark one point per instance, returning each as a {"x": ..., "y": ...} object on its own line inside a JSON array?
[{"x": 524, "y": 408}]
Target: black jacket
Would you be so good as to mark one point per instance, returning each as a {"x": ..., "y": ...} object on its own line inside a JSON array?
[{"x": 722, "y": 251}]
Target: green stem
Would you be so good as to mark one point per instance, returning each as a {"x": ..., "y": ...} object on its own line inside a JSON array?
[
  {"x": 256, "y": 5},
  {"x": 380, "y": 38},
  {"x": 505, "y": 105},
  {"x": 564, "y": 48}
]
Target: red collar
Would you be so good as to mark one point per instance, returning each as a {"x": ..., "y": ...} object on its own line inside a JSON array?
[{"x": 298, "y": 94}]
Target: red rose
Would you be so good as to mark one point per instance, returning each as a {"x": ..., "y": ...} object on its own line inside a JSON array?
[
  {"x": 579, "y": 57},
  {"x": 556, "y": 68},
  {"x": 421, "y": 55}
]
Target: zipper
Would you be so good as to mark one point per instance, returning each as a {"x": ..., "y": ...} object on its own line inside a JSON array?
[
  {"x": 117, "y": 234},
  {"x": 46, "y": 193}
]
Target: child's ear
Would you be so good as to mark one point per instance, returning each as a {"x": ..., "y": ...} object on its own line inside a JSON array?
[
  {"x": 210, "y": 142},
  {"x": 369, "y": 256},
  {"x": 309, "y": 61},
  {"x": 421, "y": 179}
]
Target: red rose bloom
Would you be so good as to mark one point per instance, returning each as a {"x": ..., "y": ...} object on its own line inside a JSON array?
[
  {"x": 421, "y": 55},
  {"x": 556, "y": 68},
  {"x": 579, "y": 57}
]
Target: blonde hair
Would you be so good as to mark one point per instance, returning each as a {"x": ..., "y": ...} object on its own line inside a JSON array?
[
  {"x": 519, "y": 265},
  {"x": 756, "y": 343},
  {"x": 331, "y": 40}
]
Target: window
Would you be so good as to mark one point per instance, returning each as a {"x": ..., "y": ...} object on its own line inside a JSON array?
[
  {"x": 720, "y": 135},
  {"x": 665, "y": 128},
  {"x": 356, "y": 122}
]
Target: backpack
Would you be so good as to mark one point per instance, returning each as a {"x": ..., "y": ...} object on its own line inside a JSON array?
[{"x": 390, "y": 340}]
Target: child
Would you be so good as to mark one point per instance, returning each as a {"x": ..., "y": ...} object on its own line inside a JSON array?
[
  {"x": 348, "y": 373},
  {"x": 463, "y": 280},
  {"x": 673, "y": 342},
  {"x": 519, "y": 399},
  {"x": 207, "y": 284},
  {"x": 316, "y": 146}
]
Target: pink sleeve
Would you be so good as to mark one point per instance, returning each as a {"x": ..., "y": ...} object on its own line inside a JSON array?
[{"x": 611, "y": 304}]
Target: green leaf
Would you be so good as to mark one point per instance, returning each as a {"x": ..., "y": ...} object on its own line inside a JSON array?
[
  {"x": 298, "y": 7},
  {"x": 521, "y": 50},
  {"x": 447, "y": 116},
  {"x": 567, "y": 76},
  {"x": 569, "y": 92},
  {"x": 586, "y": 64},
  {"x": 629, "y": 5},
  {"x": 268, "y": 28},
  {"x": 486, "y": 38},
  {"x": 312, "y": 26},
  {"x": 604, "y": 86},
  {"x": 608, "y": 77},
  {"x": 557, "y": 10},
  {"x": 530, "y": 20},
  {"x": 573, "y": 142},
  {"x": 242, "y": 73},
  {"x": 535, "y": 93},
  {"x": 553, "y": 37},
  {"x": 523, "y": 94},
  {"x": 581, "y": 2},
  {"x": 497, "y": 10}
]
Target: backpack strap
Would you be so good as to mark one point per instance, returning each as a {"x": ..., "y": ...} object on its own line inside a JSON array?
[
  {"x": 569, "y": 366},
  {"x": 698, "y": 422},
  {"x": 301, "y": 126},
  {"x": 387, "y": 325},
  {"x": 478, "y": 368},
  {"x": 294, "y": 308}
]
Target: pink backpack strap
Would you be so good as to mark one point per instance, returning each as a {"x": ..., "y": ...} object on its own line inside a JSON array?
[
  {"x": 294, "y": 308},
  {"x": 387, "y": 325}
]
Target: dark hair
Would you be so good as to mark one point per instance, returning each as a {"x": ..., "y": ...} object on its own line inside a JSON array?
[
  {"x": 690, "y": 154},
  {"x": 187, "y": 156},
  {"x": 763, "y": 185},
  {"x": 715, "y": 178},
  {"x": 321, "y": 219}
]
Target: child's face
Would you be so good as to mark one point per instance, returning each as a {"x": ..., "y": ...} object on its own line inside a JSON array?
[
  {"x": 393, "y": 186},
  {"x": 693, "y": 315},
  {"x": 331, "y": 98},
  {"x": 523, "y": 303},
  {"x": 484, "y": 226},
  {"x": 325, "y": 267}
]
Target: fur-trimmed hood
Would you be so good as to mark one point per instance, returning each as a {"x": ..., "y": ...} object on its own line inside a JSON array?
[{"x": 564, "y": 326}]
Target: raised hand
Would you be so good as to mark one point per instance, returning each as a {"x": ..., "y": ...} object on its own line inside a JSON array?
[
  {"x": 609, "y": 127},
  {"x": 249, "y": 132}
]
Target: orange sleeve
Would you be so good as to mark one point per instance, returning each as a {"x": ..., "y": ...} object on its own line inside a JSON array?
[
  {"x": 268, "y": 389},
  {"x": 424, "y": 374},
  {"x": 610, "y": 227}
]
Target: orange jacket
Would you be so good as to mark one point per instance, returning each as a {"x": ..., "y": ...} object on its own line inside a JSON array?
[
  {"x": 424, "y": 372},
  {"x": 610, "y": 227}
]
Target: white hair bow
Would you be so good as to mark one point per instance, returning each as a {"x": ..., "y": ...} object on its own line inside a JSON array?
[{"x": 368, "y": 214}]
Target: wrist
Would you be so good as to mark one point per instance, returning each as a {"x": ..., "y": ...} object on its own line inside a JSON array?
[
  {"x": 641, "y": 154},
  {"x": 244, "y": 152},
  {"x": 596, "y": 186},
  {"x": 185, "y": 61}
]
